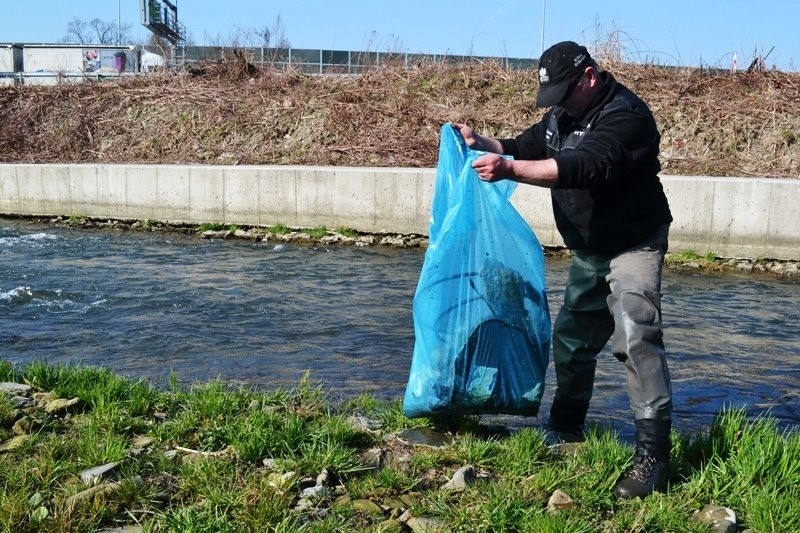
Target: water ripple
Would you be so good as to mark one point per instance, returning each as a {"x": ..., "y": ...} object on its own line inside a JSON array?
[{"x": 262, "y": 315}]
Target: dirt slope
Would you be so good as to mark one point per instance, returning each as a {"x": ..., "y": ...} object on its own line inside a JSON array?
[{"x": 746, "y": 124}]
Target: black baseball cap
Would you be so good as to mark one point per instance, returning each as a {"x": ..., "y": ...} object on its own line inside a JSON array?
[{"x": 559, "y": 66}]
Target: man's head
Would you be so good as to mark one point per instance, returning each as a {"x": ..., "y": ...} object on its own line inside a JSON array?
[{"x": 561, "y": 68}]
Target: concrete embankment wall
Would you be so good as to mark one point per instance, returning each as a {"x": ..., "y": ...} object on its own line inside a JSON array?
[{"x": 732, "y": 217}]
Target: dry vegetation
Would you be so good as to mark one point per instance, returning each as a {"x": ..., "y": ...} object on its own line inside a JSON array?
[{"x": 745, "y": 124}]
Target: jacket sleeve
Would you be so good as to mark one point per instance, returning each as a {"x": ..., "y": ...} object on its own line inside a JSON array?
[
  {"x": 530, "y": 144},
  {"x": 620, "y": 143}
]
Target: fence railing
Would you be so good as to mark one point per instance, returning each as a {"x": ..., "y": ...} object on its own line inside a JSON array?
[{"x": 319, "y": 61}]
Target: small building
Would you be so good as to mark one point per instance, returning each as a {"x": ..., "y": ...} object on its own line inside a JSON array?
[
  {"x": 48, "y": 64},
  {"x": 10, "y": 63}
]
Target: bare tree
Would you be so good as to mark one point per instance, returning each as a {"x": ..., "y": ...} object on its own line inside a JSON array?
[
  {"x": 275, "y": 36},
  {"x": 96, "y": 31}
]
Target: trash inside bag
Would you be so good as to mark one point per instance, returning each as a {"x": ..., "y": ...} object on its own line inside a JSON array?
[{"x": 481, "y": 319}]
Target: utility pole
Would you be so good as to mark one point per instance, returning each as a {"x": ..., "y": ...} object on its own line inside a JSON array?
[
  {"x": 544, "y": 5},
  {"x": 119, "y": 22}
]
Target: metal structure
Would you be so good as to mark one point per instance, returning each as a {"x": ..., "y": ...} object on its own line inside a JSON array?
[{"x": 161, "y": 18}]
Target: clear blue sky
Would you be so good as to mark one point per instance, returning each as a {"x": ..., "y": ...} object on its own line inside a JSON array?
[{"x": 684, "y": 32}]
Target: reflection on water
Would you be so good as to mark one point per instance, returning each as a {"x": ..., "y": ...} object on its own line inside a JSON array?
[{"x": 257, "y": 314}]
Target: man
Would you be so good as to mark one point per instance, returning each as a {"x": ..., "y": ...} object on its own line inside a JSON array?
[{"x": 597, "y": 149}]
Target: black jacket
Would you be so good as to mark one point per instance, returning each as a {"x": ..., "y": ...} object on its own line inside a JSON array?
[{"x": 609, "y": 197}]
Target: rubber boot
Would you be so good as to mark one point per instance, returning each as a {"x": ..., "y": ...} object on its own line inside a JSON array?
[
  {"x": 566, "y": 421},
  {"x": 650, "y": 468}
]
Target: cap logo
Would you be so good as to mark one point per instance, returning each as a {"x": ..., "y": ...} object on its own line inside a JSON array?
[
  {"x": 579, "y": 59},
  {"x": 544, "y": 77}
]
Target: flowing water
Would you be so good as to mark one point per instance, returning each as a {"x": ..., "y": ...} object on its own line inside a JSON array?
[{"x": 262, "y": 315}]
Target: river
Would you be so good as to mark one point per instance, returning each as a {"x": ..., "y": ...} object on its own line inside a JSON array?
[{"x": 145, "y": 304}]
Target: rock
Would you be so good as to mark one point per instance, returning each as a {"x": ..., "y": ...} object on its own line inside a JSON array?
[
  {"x": 61, "y": 406},
  {"x": 396, "y": 242},
  {"x": 373, "y": 458},
  {"x": 462, "y": 479},
  {"x": 719, "y": 519},
  {"x": 362, "y": 423},
  {"x": 21, "y": 402},
  {"x": 423, "y": 437},
  {"x": 15, "y": 389},
  {"x": 317, "y": 492},
  {"x": 25, "y": 426},
  {"x": 345, "y": 499},
  {"x": 326, "y": 478},
  {"x": 559, "y": 501},
  {"x": 777, "y": 268},
  {"x": 425, "y": 524},
  {"x": 567, "y": 448},
  {"x": 13, "y": 443},
  {"x": 390, "y": 526},
  {"x": 43, "y": 398},
  {"x": 92, "y": 476},
  {"x": 215, "y": 234},
  {"x": 135, "y": 528},
  {"x": 393, "y": 503},
  {"x": 142, "y": 441},
  {"x": 281, "y": 481},
  {"x": 410, "y": 499},
  {"x": 367, "y": 507},
  {"x": 303, "y": 505},
  {"x": 400, "y": 460}
]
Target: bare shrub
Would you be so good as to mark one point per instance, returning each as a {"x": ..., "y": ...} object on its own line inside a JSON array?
[{"x": 712, "y": 123}]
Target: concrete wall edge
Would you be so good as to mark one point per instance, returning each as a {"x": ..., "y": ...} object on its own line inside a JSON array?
[{"x": 739, "y": 217}]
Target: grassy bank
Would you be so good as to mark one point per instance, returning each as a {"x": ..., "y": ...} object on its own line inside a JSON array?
[{"x": 210, "y": 458}]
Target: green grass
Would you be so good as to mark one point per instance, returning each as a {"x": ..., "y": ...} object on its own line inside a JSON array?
[
  {"x": 211, "y": 226},
  {"x": 690, "y": 256},
  {"x": 347, "y": 232},
  {"x": 317, "y": 232},
  {"x": 279, "y": 229},
  {"x": 219, "y": 482}
]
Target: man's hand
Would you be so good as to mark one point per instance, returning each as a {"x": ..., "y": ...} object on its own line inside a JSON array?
[
  {"x": 492, "y": 167},
  {"x": 469, "y": 135}
]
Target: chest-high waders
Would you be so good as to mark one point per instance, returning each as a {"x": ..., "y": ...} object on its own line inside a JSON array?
[{"x": 617, "y": 298}]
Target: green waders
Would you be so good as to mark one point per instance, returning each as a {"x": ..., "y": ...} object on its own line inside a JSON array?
[{"x": 618, "y": 298}]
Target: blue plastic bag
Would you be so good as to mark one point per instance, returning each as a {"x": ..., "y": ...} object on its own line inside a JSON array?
[{"x": 481, "y": 319}]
